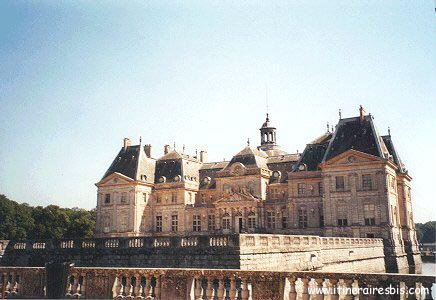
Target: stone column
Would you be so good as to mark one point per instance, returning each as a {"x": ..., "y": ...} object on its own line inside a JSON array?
[
  {"x": 292, "y": 290},
  {"x": 334, "y": 289},
  {"x": 305, "y": 289}
]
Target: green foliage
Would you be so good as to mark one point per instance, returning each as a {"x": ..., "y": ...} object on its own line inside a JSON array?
[
  {"x": 426, "y": 233},
  {"x": 21, "y": 221}
]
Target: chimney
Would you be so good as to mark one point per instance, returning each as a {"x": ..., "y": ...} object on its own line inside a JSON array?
[
  {"x": 127, "y": 143},
  {"x": 203, "y": 156},
  {"x": 362, "y": 113},
  {"x": 147, "y": 150},
  {"x": 167, "y": 149}
]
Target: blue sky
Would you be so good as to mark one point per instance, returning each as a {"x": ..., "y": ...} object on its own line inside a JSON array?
[{"x": 78, "y": 77}]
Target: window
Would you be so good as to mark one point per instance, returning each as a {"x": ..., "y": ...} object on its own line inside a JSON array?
[
  {"x": 342, "y": 222},
  {"x": 366, "y": 182},
  {"x": 107, "y": 198},
  {"x": 340, "y": 182},
  {"x": 274, "y": 193},
  {"x": 271, "y": 220},
  {"x": 321, "y": 221},
  {"x": 226, "y": 221},
  {"x": 251, "y": 222},
  {"x": 158, "y": 223},
  {"x": 157, "y": 198},
  {"x": 370, "y": 235},
  {"x": 203, "y": 199},
  {"x": 301, "y": 188},
  {"x": 342, "y": 215},
  {"x": 174, "y": 223},
  {"x": 123, "y": 198},
  {"x": 211, "y": 222},
  {"x": 302, "y": 217},
  {"x": 144, "y": 197},
  {"x": 284, "y": 222},
  {"x": 369, "y": 221},
  {"x": 251, "y": 187},
  {"x": 174, "y": 198},
  {"x": 320, "y": 188},
  {"x": 369, "y": 213},
  {"x": 124, "y": 223},
  {"x": 106, "y": 223},
  {"x": 196, "y": 223}
]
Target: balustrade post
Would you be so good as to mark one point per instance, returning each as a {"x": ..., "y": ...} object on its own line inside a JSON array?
[
  {"x": 128, "y": 287},
  {"x": 75, "y": 284},
  {"x": 209, "y": 289},
  {"x": 157, "y": 288},
  {"x": 83, "y": 286},
  {"x": 305, "y": 290},
  {"x": 292, "y": 290},
  {"x": 137, "y": 288},
  {"x": 245, "y": 293},
  {"x": 221, "y": 291},
  {"x": 232, "y": 291},
  {"x": 148, "y": 287},
  {"x": 348, "y": 289},
  {"x": 116, "y": 289},
  {"x": 319, "y": 295},
  {"x": 197, "y": 288},
  {"x": 333, "y": 291}
]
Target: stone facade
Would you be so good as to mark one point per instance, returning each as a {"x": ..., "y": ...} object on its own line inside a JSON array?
[{"x": 347, "y": 183}]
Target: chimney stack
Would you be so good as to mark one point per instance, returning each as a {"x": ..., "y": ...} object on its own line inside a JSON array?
[
  {"x": 167, "y": 149},
  {"x": 127, "y": 143},
  {"x": 362, "y": 113},
  {"x": 147, "y": 150},
  {"x": 203, "y": 156}
]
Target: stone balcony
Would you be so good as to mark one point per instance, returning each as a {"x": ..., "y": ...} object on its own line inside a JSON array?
[{"x": 139, "y": 283}]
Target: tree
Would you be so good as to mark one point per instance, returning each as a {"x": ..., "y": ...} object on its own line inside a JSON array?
[{"x": 426, "y": 233}]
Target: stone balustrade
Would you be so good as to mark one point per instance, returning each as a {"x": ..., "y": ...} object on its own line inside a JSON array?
[{"x": 138, "y": 283}]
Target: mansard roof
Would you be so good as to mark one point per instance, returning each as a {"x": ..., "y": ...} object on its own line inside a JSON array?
[
  {"x": 394, "y": 155},
  {"x": 250, "y": 157},
  {"x": 133, "y": 163},
  {"x": 356, "y": 133},
  {"x": 174, "y": 164}
]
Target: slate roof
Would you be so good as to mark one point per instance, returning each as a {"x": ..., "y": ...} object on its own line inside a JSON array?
[
  {"x": 395, "y": 157},
  {"x": 174, "y": 164},
  {"x": 352, "y": 133},
  {"x": 132, "y": 162},
  {"x": 250, "y": 157}
]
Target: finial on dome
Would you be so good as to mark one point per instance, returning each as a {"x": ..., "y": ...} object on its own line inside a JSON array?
[
  {"x": 389, "y": 130},
  {"x": 340, "y": 114},
  {"x": 248, "y": 142},
  {"x": 328, "y": 127},
  {"x": 267, "y": 117}
]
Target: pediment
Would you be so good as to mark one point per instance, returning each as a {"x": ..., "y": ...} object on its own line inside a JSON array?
[
  {"x": 351, "y": 157},
  {"x": 114, "y": 179},
  {"x": 236, "y": 197}
]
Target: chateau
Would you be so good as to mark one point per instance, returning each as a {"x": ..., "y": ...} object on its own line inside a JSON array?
[{"x": 347, "y": 183}]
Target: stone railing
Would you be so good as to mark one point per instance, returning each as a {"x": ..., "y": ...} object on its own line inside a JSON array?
[{"x": 137, "y": 283}]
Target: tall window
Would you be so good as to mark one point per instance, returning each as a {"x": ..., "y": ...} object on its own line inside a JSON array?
[
  {"x": 211, "y": 222},
  {"x": 226, "y": 221},
  {"x": 174, "y": 198},
  {"x": 174, "y": 223},
  {"x": 320, "y": 189},
  {"x": 251, "y": 222},
  {"x": 301, "y": 188},
  {"x": 271, "y": 220},
  {"x": 123, "y": 197},
  {"x": 107, "y": 198},
  {"x": 196, "y": 223},
  {"x": 144, "y": 197},
  {"x": 106, "y": 223},
  {"x": 321, "y": 220},
  {"x": 340, "y": 183},
  {"x": 158, "y": 223},
  {"x": 366, "y": 182},
  {"x": 302, "y": 217},
  {"x": 157, "y": 198},
  {"x": 342, "y": 215},
  {"x": 369, "y": 213},
  {"x": 251, "y": 187},
  {"x": 124, "y": 223},
  {"x": 284, "y": 222}
]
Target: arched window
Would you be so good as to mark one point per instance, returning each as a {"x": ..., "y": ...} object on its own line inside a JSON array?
[
  {"x": 226, "y": 221},
  {"x": 251, "y": 222}
]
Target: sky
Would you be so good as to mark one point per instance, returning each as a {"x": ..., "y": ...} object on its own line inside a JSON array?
[{"x": 77, "y": 77}]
